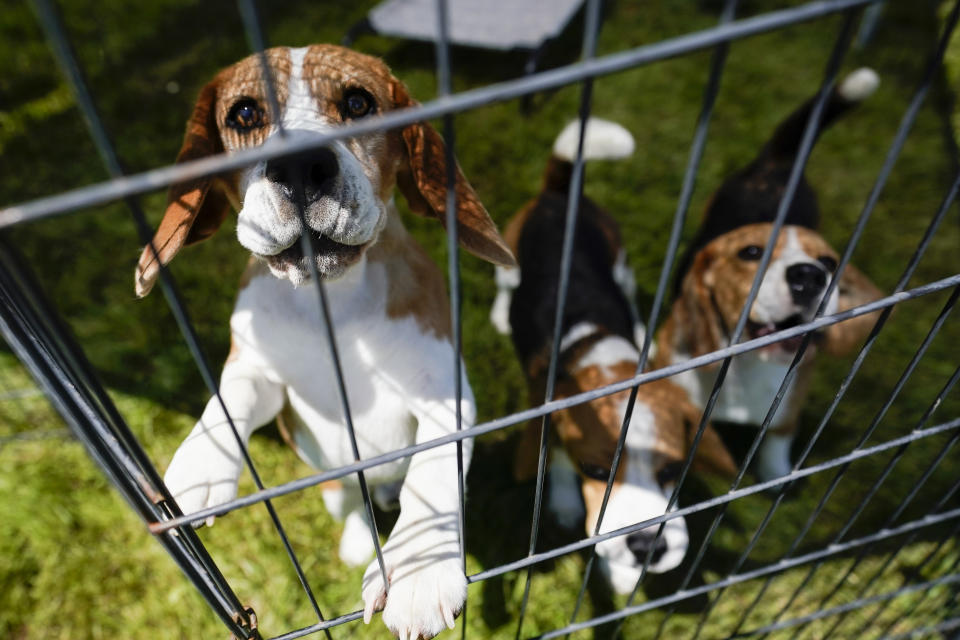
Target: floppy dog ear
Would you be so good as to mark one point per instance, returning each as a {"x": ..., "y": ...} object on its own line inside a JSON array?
[
  {"x": 423, "y": 182},
  {"x": 712, "y": 455},
  {"x": 702, "y": 324},
  {"x": 854, "y": 290},
  {"x": 195, "y": 209}
]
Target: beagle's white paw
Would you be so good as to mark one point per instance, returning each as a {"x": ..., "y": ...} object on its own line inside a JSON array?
[
  {"x": 426, "y": 594},
  {"x": 202, "y": 475}
]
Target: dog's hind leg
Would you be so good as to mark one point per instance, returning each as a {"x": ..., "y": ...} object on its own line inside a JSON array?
[{"x": 345, "y": 503}]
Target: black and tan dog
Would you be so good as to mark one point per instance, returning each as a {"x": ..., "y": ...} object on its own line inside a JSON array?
[
  {"x": 596, "y": 349},
  {"x": 716, "y": 275}
]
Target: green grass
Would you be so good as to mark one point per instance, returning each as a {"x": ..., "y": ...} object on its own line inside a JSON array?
[{"x": 75, "y": 562}]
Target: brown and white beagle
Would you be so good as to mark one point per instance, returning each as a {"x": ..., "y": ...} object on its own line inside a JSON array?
[
  {"x": 716, "y": 277},
  {"x": 597, "y": 348},
  {"x": 387, "y": 301}
]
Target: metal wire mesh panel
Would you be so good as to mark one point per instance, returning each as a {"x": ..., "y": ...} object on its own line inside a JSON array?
[{"x": 856, "y": 538}]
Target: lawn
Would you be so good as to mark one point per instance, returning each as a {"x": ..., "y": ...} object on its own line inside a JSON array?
[{"x": 75, "y": 562}]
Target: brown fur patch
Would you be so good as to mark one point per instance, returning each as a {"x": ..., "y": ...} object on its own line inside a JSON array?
[
  {"x": 414, "y": 283},
  {"x": 598, "y": 423},
  {"x": 589, "y": 431}
]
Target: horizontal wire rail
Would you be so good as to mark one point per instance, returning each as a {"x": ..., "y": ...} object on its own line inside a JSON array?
[
  {"x": 841, "y": 46},
  {"x": 773, "y": 568},
  {"x": 852, "y": 606},
  {"x": 31, "y": 328},
  {"x": 930, "y": 631},
  {"x": 574, "y": 196},
  {"x": 521, "y": 416},
  {"x": 154, "y": 179}
]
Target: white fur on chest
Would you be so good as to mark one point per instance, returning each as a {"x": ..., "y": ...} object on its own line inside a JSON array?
[
  {"x": 395, "y": 374},
  {"x": 748, "y": 390}
]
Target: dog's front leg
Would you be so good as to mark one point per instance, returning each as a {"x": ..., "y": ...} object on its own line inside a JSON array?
[
  {"x": 205, "y": 469},
  {"x": 427, "y": 586}
]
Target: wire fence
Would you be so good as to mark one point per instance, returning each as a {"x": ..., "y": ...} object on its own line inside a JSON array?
[{"x": 32, "y": 328}]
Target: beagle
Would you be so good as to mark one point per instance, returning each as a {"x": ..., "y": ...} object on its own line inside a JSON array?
[
  {"x": 596, "y": 348},
  {"x": 715, "y": 278},
  {"x": 387, "y": 303}
]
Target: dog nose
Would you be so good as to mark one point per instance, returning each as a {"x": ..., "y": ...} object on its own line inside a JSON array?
[
  {"x": 315, "y": 171},
  {"x": 806, "y": 281},
  {"x": 640, "y": 543}
]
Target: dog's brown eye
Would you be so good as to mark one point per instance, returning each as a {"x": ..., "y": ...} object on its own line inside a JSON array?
[
  {"x": 669, "y": 473},
  {"x": 829, "y": 263},
  {"x": 357, "y": 103},
  {"x": 245, "y": 115},
  {"x": 595, "y": 471},
  {"x": 750, "y": 253}
]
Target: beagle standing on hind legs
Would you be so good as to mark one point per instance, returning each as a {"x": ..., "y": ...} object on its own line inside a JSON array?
[
  {"x": 715, "y": 276},
  {"x": 387, "y": 302},
  {"x": 596, "y": 349}
]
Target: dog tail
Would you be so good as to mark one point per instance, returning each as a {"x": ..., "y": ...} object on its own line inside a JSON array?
[
  {"x": 856, "y": 87},
  {"x": 604, "y": 140}
]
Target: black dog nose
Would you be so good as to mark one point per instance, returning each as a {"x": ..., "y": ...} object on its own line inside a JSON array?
[
  {"x": 315, "y": 172},
  {"x": 640, "y": 543},
  {"x": 806, "y": 281}
]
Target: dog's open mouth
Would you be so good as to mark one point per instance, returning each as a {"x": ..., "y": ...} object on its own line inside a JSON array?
[
  {"x": 331, "y": 257},
  {"x": 757, "y": 330}
]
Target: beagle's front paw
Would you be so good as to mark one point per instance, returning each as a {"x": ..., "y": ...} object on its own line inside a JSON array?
[
  {"x": 202, "y": 475},
  {"x": 426, "y": 591}
]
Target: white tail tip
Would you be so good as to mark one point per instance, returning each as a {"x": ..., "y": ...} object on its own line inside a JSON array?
[
  {"x": 859, "y": 84},
  {"x": 605, "y": 140}
]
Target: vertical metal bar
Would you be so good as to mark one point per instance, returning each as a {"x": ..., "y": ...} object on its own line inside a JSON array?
[
  {"x": 841, "y": 45},
  {"x": 898, "y": 454},
  {"x": 906, "y": 124},
  {"x": 255, "y": 36},
  {"x": 44, "y": 347},
  {"x": 57, "y": 39},
  {"x": 948, "y": 495},
  {"x": 949, "y": 578},
  {"x": 119, "y": 442},
  {"x": 256, "y": 40},
  {"x": 863, "y": 439},
  {"x": 953, "y": 567},
  {"x": 882, "y": 605},
  {"x": 444, "y": 88},
  {"x": 905, "y": 277},
  {"x": 591, "y": 32},
  {"x": 892, "y": 554},
  {"x": 710, "y": 92},
  {"x": 327, "y": 322}
]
